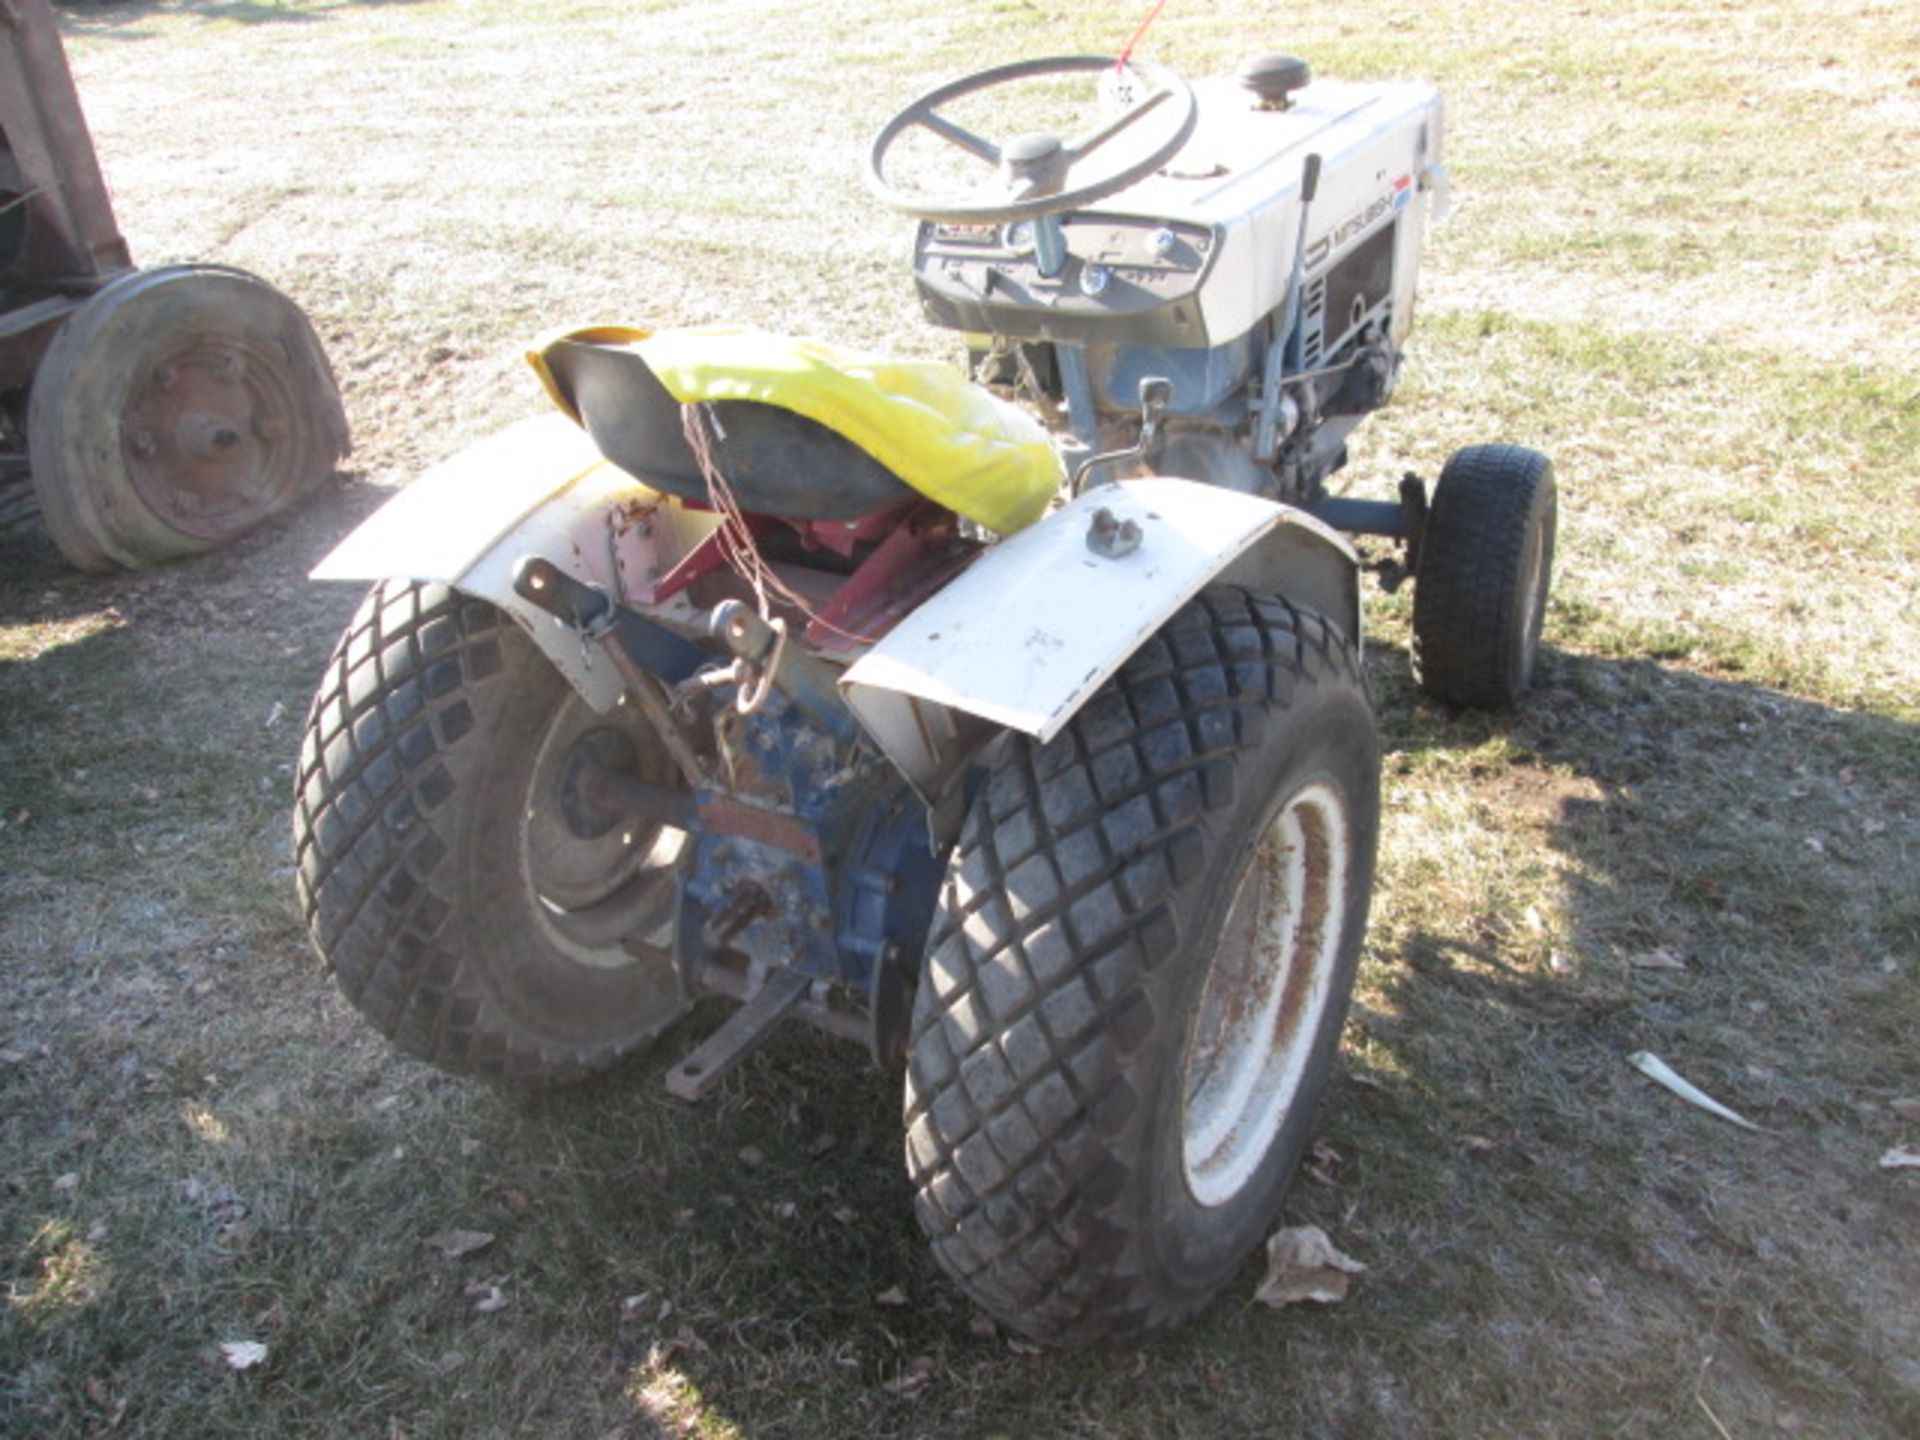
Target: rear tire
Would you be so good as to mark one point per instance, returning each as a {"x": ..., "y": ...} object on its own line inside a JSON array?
[
  {"x": 1119, "y": 1038},
  {"x": 1486, "y": 563},
  {"x": 462, "y": 908}
]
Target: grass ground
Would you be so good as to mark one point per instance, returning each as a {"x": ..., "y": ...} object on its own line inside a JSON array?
[{"x": 1687, "y": 266}]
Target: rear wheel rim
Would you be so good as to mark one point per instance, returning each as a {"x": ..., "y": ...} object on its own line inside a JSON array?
[
  {"x": 1266, "y": 993},
  {"x": 594, "y": 895}
]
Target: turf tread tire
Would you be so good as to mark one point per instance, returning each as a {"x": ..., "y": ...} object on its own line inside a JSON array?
[
  {"x": 392, "y": 751},
  {"x": 1076, "y": 873}
]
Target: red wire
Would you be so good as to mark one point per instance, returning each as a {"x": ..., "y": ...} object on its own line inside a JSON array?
[
  {"x": 1152, "y": 15},
  {"x": 735, "y": 535}
]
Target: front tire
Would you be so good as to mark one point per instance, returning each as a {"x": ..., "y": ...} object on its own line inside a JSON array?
[
  {"x": 1486, "y": 562},
  {"x": 1138, "y": 973},
  {"x": 474, "y": 915}
]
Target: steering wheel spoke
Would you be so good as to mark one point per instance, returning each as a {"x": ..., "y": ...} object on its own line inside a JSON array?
[
  {"x": 1082, "y": 146},
  {"x": 1033, "y": 171},
  {"x": 958, "y": 135}
]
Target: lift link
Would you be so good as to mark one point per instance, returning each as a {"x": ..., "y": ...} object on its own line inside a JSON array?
[{"x": 646, "y": 656}]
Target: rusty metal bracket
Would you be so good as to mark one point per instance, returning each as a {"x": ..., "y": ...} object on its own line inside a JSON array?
[{"x": 695, "y": 1077}]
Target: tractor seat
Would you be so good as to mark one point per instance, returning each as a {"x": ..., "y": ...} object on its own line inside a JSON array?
[{"x": 807, "y": 431}]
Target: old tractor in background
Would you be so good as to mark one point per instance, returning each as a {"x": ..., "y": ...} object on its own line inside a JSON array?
[{"x": 160, "y": 412}]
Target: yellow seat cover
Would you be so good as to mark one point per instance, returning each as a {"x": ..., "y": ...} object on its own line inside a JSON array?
[{"x": 952, "y": 441}]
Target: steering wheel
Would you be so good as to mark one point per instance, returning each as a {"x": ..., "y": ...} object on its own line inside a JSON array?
[{"x": 1042, "y": 173}]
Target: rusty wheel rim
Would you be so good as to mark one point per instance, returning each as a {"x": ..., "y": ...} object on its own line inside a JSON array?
[
  {"x": 594, "y": 887},
  {"x": 212, "y": 437},
  {"x": 1265, "y": 994}
]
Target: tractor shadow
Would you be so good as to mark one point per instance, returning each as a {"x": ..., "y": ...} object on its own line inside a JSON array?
[
  {"x": 1488, "y": 1136},
  {"x": 1489, "y": 1151}
]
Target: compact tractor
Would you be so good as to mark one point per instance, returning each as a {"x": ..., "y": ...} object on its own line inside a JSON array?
[
  {"x": 159, "y": 412},
  {"x": 1012, "y": 724}
]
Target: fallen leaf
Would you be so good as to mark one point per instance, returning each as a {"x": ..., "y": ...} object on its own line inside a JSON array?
[
  {"x": 912, "y": 1380},
  {"x": 684, "y": 1342},
  {"x": 235, "y": 1234},
  {"x": 1322, "y": 1161},
  {"x": 1901, "y": 1157},
  {"x": 1664, "y": 958},
  {"x": 892, "y": 1296},
  {"x": 517, "y": 1201},
  {"x": 469, "y": 1149},
  {"x": 68, "y": 1181},
  {"x": 752, "y": 1156},
  {"x": 819, "y": 1145},
  {"x": 1476, "y": 1144},
  {"x": 1022, "y": 1347},
  {"x": 1658, "y": 1071},
  {"x": 785, "y": 1210},
  {"x": 13, "y": 1057},
  {"x": 146, "y": 794},
  {"x": 243, "y": 1354},
  {"x": 1303, "y": 1265},
  {"x": 982, "y": 1326},
  {"x": 1558, "y": 962},
  {"x": 844, "y": 1214},
  {"x": 634, "y": 1304},
  {"x": 487, "y": 1298},
  {"x": 1907, "y": 1108},
  {"x": 455, "y": 1243}
]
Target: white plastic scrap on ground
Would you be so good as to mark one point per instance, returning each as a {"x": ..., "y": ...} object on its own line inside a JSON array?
[
  {"x": 1657, "y": 1070},
  {"x": 243, "y": 1354},
  {"x": 1303, "y": 1265}
]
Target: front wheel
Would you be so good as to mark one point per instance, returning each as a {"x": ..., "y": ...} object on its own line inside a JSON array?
[
  {"x": 1480, "y": 590},
  {"x": 479, "y": 910},
  {"x": 1138, "y": 973}
]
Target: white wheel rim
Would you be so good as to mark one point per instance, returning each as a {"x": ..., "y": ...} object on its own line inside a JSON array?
[
  {"x": 618, "y": 878},
  {"x": 1534, "y": 572},
  {"x": 1265, "y": 994}
]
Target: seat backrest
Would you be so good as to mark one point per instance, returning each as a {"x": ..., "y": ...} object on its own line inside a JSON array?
[{"x": 778, "y": 462}]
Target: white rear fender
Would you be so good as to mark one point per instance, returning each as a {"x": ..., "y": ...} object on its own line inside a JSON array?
[
  {"x": 535, "y": 488},
  {"x": 1026, "y": 635}
]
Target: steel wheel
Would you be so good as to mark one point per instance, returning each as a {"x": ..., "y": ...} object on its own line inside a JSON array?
[
  {"x": 598, "y": 876},
  {"x": 176, "y": 410},
  {"x": 1260, "y": 1010}
]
